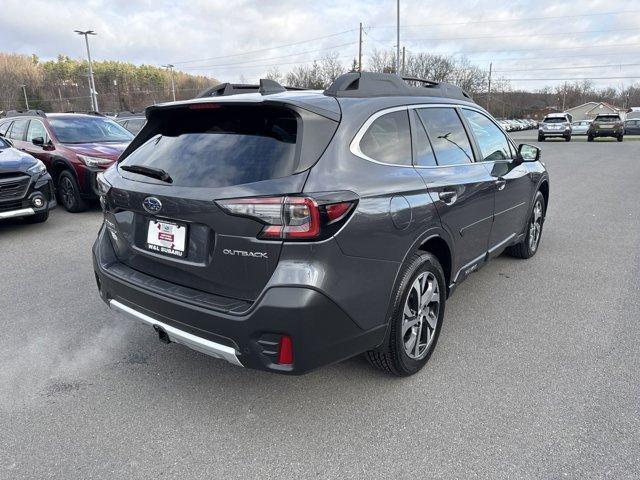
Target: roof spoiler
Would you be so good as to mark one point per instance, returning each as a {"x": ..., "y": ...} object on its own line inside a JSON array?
[
  {"x": 371, "y": 84},
  {"x": 266, "y": 87}
]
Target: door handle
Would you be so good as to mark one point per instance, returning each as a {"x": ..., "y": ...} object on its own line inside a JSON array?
[
  {"x": 448, "y": 196},
  {"x": 501, "y": 183}
]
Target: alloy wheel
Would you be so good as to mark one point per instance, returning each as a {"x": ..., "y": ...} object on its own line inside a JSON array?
[
  {"x": 535, "y": 227},
  {"x": 67, "y": 192},
  {"x": 420, "y": 315}
]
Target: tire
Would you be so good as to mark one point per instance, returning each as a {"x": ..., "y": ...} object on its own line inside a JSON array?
[
  {"x": 568, "y": 139},
  {"x": 589, "y": 138},
  {"x": 540, "y": 138},
  {"x": 38, "y": 217},
  {"x": 620, "y": 138},
  {"x": 527, "y": 248},
  {"x": 69, "y": 193},
  {"x": 422, "y": 271}
]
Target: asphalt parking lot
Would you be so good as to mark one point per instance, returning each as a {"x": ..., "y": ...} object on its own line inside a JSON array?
[{"x": 536, "y": 374}]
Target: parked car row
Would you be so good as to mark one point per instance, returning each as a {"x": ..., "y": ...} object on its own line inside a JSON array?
[
  {"x": 560, "y": 125},
  {"x": 517, "y": 125},
  {"x": 73, "y": 148}
]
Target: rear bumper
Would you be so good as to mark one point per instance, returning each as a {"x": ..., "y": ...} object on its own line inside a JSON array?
[
  {"x": 241, "y": 333},
  {"x": 554, "y": 133},
  {"x": 176, "y": 335},
  {"x": 606, "y": 132}
]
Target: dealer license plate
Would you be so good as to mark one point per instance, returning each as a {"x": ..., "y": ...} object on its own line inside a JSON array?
[{"x": 167, "y": 237}]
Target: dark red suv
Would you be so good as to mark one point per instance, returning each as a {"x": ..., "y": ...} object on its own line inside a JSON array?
[{"x": 74, "y": 147}]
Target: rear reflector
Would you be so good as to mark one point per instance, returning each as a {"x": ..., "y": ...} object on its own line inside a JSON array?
[{"x": 285, "y": 351}]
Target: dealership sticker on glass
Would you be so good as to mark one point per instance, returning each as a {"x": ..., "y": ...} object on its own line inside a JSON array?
[{"x": 166, "y": 237}]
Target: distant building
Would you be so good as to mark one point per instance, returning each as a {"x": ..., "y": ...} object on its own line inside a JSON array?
[{"x": 589, "y": 110}]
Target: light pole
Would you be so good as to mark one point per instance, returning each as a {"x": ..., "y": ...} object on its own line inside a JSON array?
[
  {"x": 92, "y": 83},
  {"x": 398, "y": 42},
  {"x": 173, "y": 85},
  {"x": 24, "y": 91}
]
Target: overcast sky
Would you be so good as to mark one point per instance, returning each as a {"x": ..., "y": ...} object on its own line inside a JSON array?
[{"x": 244, "y": 38}]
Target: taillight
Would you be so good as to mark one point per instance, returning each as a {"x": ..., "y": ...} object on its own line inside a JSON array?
[{"x": 292, "y": 218}]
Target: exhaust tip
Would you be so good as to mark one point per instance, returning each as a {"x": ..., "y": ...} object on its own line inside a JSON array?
[{"x": 163, "y": 336}]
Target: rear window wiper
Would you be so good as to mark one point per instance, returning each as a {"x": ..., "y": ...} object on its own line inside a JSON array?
[{"x": 148, "y": 171}]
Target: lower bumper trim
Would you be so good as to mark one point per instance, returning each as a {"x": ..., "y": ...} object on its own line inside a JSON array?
[
  {"x": 23, "y": 212},
  {"x": 187, "y": 339}
]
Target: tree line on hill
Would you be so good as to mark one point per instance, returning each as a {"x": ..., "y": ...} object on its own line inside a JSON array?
[{"x": 62, "y": 84}]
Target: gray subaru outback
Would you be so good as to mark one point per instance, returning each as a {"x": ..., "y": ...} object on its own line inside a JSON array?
[{"x": 285, "y": 230}]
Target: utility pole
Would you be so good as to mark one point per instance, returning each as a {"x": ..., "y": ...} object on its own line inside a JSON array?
[
  {"x": 398, "y": 40},
  {"x": 60, "y": 97},
  {"x": 92, "y": 83},
  {"x": 564, "y": 96},
  {"x": 173, "y": 84},
  {"x": 360, "y": 50},
  {"x": 403, "y": 51},
  {"x": 489, "y": 89},
  {"x": 24, "y": 91}
]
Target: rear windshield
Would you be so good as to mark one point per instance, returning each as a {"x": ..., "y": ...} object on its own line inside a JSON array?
[
  {"x": 223, "y": 146},
  {"x": 607, "y": 118},
  {"x": 555, "y": 120},
  {"x": 85, "y": 129}
]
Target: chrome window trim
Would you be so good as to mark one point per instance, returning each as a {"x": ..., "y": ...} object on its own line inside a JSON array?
[
  {"x": 355, "y": 143},
  {"x": 354, "y": 147}
]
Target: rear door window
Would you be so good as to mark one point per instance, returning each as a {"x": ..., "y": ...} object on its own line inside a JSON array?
[
  {"x": 447, "y": 134},
  {"x": 222, "y": 146},
  {"x": 18, "y": 129},
  {"x": 388, "y": 139}
]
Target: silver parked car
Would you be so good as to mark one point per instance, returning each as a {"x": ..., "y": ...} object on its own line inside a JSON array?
[{"x": 580, "y": 128}]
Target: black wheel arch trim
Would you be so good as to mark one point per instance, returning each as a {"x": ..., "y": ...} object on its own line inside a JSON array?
[{"x": 429, "y": 234}]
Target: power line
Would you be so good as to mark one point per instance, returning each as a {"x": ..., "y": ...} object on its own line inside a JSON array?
[
  {"x": 554, "y": 34},
  {"x": 505, "y": 20},
  {"x": 570, "y": 67},
  {"x": 580, "y": 47},
  {"x": 569, "y": 78},
  {"x": 522, "y": 59},
  {"x": 269, "y": 58},
  {"x": 286, "y": 63},
  {"x": 269, "y": 48}
]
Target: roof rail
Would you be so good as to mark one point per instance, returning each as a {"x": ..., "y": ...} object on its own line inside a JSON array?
[
  {"x": 90, "y": 112},
  {"x": 266, "y": 87},
  {"x": 371, "y": 84},
  {"x": 25, "y": 113}
]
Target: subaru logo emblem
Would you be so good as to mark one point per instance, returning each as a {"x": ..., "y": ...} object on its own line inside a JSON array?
[{"x": 152, "y": 205}]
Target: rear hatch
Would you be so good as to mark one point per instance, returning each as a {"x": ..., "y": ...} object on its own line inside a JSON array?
[{"x": 172, "y": 228}]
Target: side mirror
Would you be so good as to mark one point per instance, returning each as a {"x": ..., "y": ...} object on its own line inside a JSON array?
[
  {"x": 529, "y": 153},
  {"x": 39, "y": 141}
]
